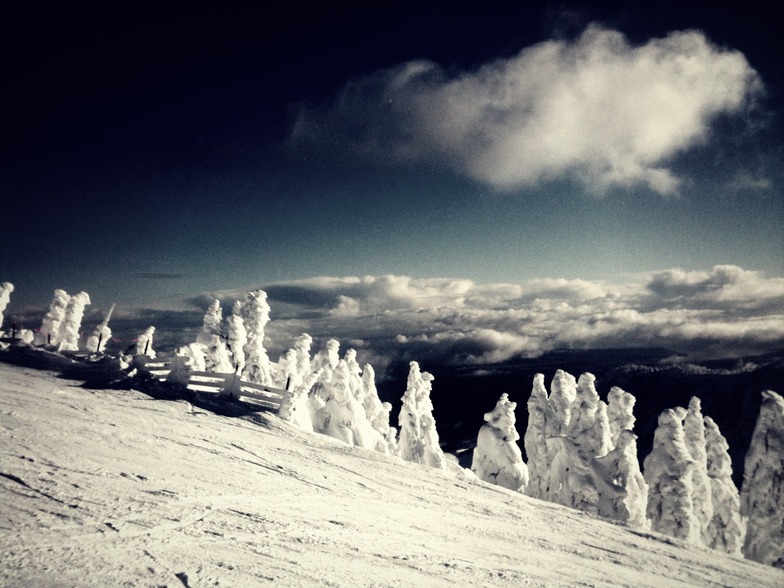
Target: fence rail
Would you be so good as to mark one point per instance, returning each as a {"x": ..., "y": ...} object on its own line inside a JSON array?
[{"x": 226, "y": 384}]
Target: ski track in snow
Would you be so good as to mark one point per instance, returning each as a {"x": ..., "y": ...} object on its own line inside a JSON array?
[{"x": 114, "y": 488}]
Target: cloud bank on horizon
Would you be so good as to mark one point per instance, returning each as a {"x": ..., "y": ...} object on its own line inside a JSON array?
[
  {"x": 598, "y": 110},
  {"x": 724, "y": 312}
]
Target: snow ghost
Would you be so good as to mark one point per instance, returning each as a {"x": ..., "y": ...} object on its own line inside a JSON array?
[
  {"x": 370, "y": 400},
  {"x": 694, "y": 430},
  {"x": 294, "y": 365},
  {"x": 255, "y": 313},
  {"x": 342, "y": 416},
  {"x": 296, "y": 407},
  {"x": 418, "y": 436},
  {"x": 590, "y": 434},
  {"x": 569, "y": 480},
  {"x": 355, "y": 374},
  {"x": 286, "y": 376},
  {"x": 102, "y": 333},
  {"x": 50, "y": 327},
  {"x": 620, "y": 412},
  {"x": 327, "y": 358},
  {"x": 377, "y": 412},
  {"x": 434, "y": 456},
  {"x": 144, "y": 343},
  {"x": 68, "y": 334},
  {"x": 497, "y": 458},
  {"x": 667, "y": 470},
  {"x": 215, "y": 352},
  {"x": 194, "y": 356},
  {"x": 762, "y": 494},
  {"x": 180, "y": 372},
  {"x": 324, "y": 363},
  {"x": 302, "y": 347},
  {"x": 5, "y": 296},
  {"x": 563, "y": 392},
  {"x": 623, "y": 493},
  {"x": 539, "y": 414},
  {"x": 725, "y": 529},
  {"x": 237, "y": 337}
]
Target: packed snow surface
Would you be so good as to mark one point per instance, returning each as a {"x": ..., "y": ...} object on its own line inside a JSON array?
[{"x": 113, "y": 488}]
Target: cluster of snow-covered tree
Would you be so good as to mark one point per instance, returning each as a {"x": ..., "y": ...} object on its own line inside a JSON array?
[
  {"x": 62, "y": 323},
  {"x": 581, "y": 450},
  {"x": 582, "y": 453},
  {"x": 327, "y": 394},
  {"x": 61, "y": 326}
]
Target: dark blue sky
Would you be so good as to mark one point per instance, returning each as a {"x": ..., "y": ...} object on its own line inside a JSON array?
[{"x": 154, "y": 153}]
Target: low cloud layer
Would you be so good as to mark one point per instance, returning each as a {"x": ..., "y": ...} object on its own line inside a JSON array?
[
  {"x": 719, "y": 313},
  {"x": 598, "y": 110},
  {"x": 724, "y": 312}
]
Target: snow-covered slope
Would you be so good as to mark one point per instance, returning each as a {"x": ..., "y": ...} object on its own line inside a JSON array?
[{"x": 111, "y": 488}]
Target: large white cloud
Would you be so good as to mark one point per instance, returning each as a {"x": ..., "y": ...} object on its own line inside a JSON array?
[{"x": 597, "y": 109}]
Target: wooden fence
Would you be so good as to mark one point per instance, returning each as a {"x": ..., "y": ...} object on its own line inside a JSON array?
[{"x": 229, "y": 385}]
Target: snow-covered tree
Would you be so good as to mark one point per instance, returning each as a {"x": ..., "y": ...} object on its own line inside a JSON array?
[
  {"x": 622, "y": 490},
  {"x": 569, "y": 480},
  {"x": 286, "y": 375},
  {"x": 211, "y": 339},
  {"x": 144, "y": 343},
  {"x": 216, "y": 355},
  {"x": 211, "y": 323},
  {"x": 563, "y": 392},
  {"x": 762, "y": 494},
  {"x": 370, "y": 400},
  {"x": 296, "y": 407},
  {"x": 327, "y": 357},
  {"x": 591, "y": 435},
  {"x": 324, "y": 363},
  {"x": 294, "y": 366},
  {"x": 694, "y": 430},
  {"x": 102, "y": 333},
  {"x": 180, "y": 369},
  {"x": 725, "y": 529},
  {"x": 602, "y": 436},
  {"x": 497, "y": 458},
  {"x": 68, "y": 334},
  {"x": 377, "y": 412},
  {"x": 418, "y": 440},
  {"x": 387, "y": 431},
  {"x": 433, "y": 456},
  {"x": 342, "y": 416},
  {"x": 667, "y": 471},
  {"x": 565, "y": 432},
  {"x": 302, "y": 347},
  {"x": 355, "y": 374},
  {"x": 237, "y": 337},
  {"x": 5, "y": 296},
  {"x": 194, "y": 354},
  {"x": 50, "y": 327},
  {"x": 620, "y": 412},
  {"x": 255, "y": 313},
  {"x": 539, "y": 413}
]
